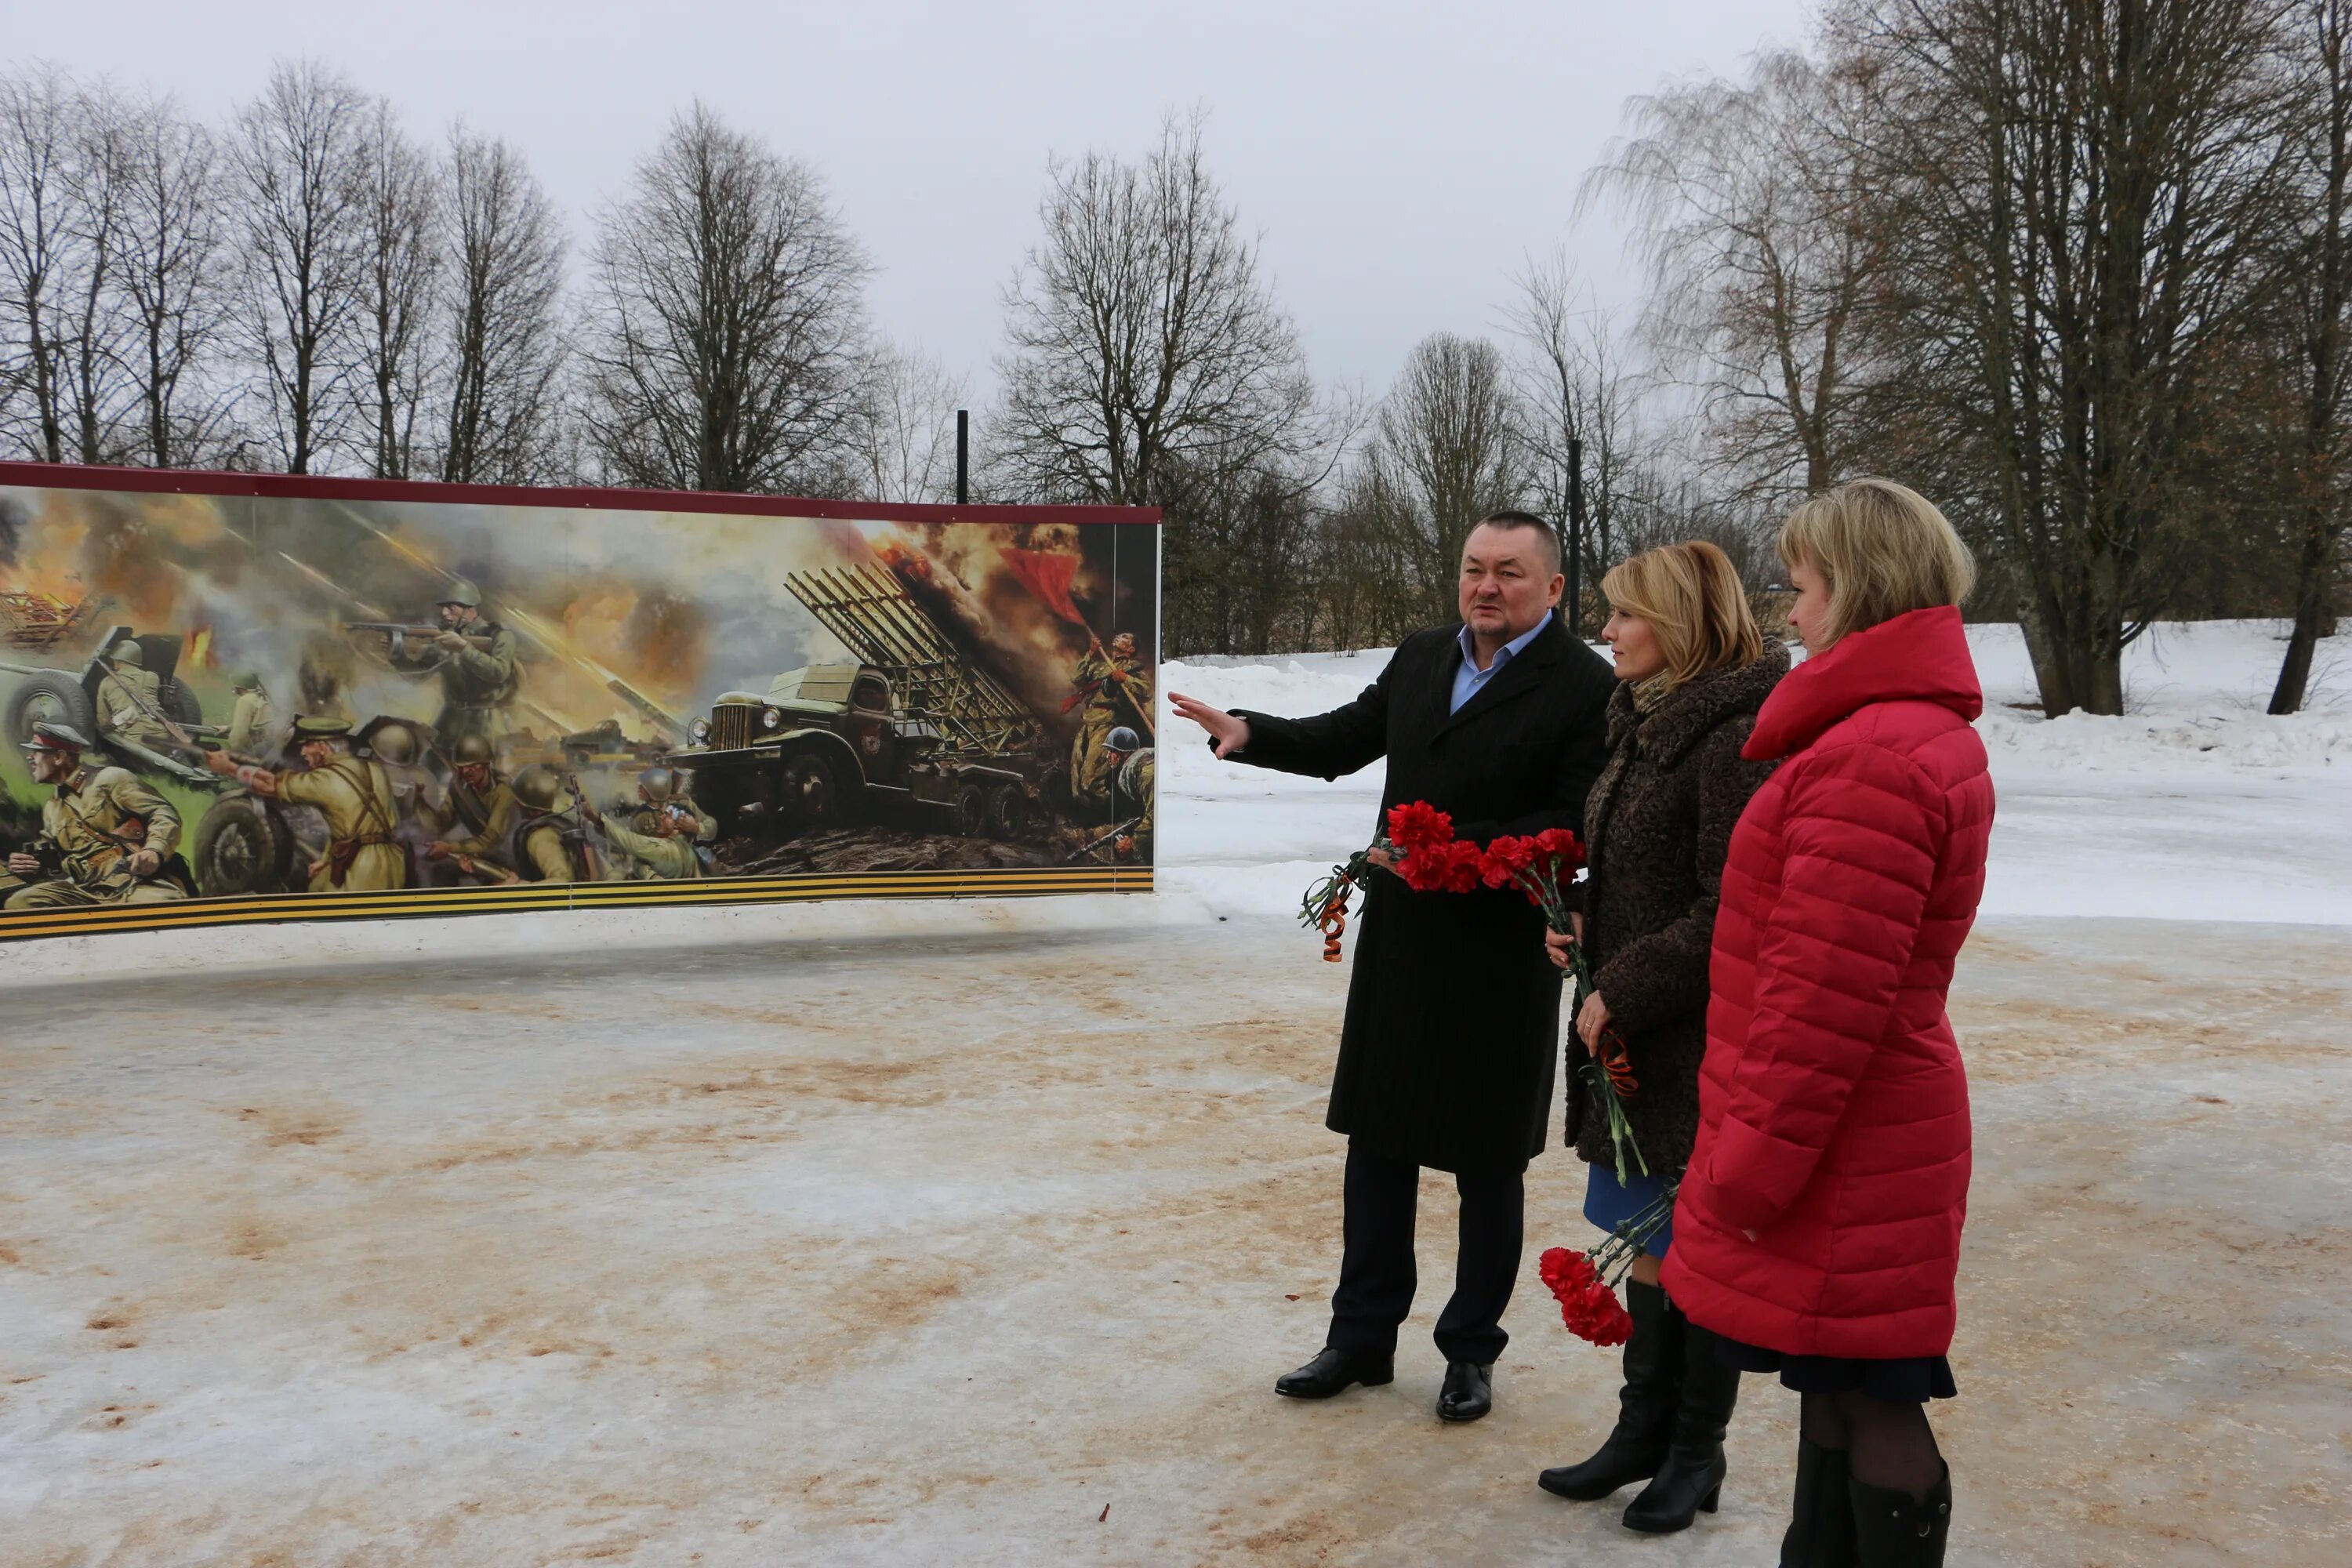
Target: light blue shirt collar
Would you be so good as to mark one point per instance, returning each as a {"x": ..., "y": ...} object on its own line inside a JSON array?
[{"x": 1469, "y": 679}]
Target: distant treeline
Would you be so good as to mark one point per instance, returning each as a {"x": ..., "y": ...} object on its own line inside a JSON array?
[{"x": 2081, "y": 270}]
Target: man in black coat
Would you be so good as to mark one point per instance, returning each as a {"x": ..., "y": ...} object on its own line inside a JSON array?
[{"x": 1448, "y": 1053}]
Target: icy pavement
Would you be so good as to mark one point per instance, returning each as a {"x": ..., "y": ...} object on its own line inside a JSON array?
[
  {"x": 849, "y": 1254},
  {"x": 976, "y": 1233}
]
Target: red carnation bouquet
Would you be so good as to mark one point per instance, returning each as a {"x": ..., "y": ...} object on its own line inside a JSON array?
[
  {"x": 1419, "y": 839},
  {"x": 1585, "y": 1283}
]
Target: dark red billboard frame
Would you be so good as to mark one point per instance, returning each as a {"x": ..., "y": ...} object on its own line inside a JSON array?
[{"x": 312, "y": 487}]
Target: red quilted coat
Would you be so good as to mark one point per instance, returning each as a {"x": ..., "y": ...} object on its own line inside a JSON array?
[{"x": 1833, "y": 1111}]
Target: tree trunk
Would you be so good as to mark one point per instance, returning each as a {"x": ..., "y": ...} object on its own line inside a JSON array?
[
  {"x": 2040, "y": 622},
  {"x": 2315, "y": 576}
]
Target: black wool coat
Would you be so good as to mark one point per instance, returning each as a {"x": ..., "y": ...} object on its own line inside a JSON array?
[
  {"x": 1451, "y": 1037},
  {"x": 1657, "y": 828}
]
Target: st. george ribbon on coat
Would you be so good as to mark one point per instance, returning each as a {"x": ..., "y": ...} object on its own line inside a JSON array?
[{"x": 1452, "y": 1040}]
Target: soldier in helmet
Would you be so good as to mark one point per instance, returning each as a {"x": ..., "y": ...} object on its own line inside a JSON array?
[
  {"x": 419, "y": 810},
  {"x": 250, "y": 719},
  {"x": 659, "y": 843},
  {"x": 106, "y": 837},
  {"x": 130, "y": 700},
  {"x": 478, "y": 683},
  {"x": 662, "y": 793},
  {"x": 1116, "y": 690},
  {"x": 1134, "y": 773},
  {"x": 480, "y": 810},
  {"x": 549, "y": 840},
  {"x": 353, "y": 792}
]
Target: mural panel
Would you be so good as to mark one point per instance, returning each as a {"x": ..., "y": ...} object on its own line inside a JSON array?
[{"x": 235, "y": 699}]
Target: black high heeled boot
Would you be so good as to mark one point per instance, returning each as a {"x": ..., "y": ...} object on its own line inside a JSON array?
[
  {"x": 1891, "y": 1531},
  {"x": 1645, "y": 1406},
  {"x": 1820, "y": 1516},
  {"x": 1690, "y": 1477}
]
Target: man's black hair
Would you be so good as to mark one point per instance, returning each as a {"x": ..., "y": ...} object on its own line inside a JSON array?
[{"x": 1512, "y": 518}]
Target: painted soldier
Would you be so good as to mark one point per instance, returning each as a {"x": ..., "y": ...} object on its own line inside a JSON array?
[
  {"x": 1116, "y": 690},
  {"x": 548, "y": 839},
  {"x": 479, "y": 683},
  {"x": 250, "y": 719},
  {"x": 130, "y": 700},
  {"x": 1135, "y": 772},
  {"x": 106, "y": 837},
  {"x": 662, "y": 793},
  {"x": 658, "y": 841},
  {"x": 419, "y": 804},
  {"x": 353, "y": 794}
]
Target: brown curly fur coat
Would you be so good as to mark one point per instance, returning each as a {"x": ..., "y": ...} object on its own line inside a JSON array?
[{"x": 1656, "y": 828}]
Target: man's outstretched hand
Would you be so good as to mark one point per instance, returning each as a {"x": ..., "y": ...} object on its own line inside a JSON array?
[{"x": 1231, "y": 734}]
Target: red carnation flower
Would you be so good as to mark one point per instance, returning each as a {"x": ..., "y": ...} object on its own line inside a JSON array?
[
  {"x": 1587, "y": 1305},
  {"x": 1417, "y": 824},
  {"x": 1566, "y": 845}
]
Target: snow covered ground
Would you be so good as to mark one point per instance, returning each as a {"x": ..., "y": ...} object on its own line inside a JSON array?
[
  {"x": 975, "y": 1233},
  {"x": 2181, "y": 809}
]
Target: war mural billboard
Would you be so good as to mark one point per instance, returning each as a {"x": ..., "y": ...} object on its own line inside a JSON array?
[{"x": 234, "y": 697}]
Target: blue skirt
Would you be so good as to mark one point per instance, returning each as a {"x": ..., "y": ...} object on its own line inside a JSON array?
[{"x": 1608, "y": 1202}]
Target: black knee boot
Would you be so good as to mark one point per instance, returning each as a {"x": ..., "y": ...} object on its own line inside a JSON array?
[
  {"x": 1645, "y": 1406},
  {"x": 1821, "y": 1519},
  {"x": 1891, "y": 1531},
  {"x": 1690, "y": 1477}
]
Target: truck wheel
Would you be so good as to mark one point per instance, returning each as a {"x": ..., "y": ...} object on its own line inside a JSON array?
[
  {"x": 1008, "y": 811},
  {"x": 180, "y": 704},
  {"x": 808, "y": 793},
  {"x": 971, "y": 812},
  {"x": 49, "y": 697},
  {"x": 241, "y": 848}
]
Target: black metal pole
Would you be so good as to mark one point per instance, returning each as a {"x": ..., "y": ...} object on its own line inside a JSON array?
[
  {"x": 963, "y": 456},
  {"x": 1576, "y": 536}
]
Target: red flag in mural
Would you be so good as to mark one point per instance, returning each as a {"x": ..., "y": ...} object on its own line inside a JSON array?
[{"x": 1048, "y": 575}]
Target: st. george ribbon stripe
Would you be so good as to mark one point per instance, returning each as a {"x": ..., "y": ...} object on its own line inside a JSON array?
[{"x": 406, "y": 902}]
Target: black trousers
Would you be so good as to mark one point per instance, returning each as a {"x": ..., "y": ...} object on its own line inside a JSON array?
[{"x": 1376, "y": 1269}]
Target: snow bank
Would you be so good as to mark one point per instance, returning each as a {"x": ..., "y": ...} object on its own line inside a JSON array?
[{"x": 2194, "y": 804}]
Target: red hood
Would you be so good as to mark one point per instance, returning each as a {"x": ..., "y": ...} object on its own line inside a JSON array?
[{"x": 1922, "y": 657}]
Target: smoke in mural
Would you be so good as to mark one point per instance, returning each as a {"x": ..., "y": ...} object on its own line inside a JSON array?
[{"x": 399, "y": 699}]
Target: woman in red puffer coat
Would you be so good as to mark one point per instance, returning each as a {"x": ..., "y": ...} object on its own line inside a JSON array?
[{"x": 1818, "y": 1228}]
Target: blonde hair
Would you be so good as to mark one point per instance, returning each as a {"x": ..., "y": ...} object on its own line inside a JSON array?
[
  {"x": 1885, "y": 549},
  {"x": 1690, "y": 594}
]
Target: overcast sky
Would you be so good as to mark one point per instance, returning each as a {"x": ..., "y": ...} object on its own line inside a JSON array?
[{"x": 1400, "y": 161}]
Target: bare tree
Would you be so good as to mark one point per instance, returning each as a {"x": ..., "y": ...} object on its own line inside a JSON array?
[
  {"x": 172, "y": 282},
  {"x": 41, "y": 234},
  {"x": 299, "y": 154},
  {"x": 903, "y": 445},
  {"x": 1140, "y": 336},
  {"x": 1753, "y": 208},
  {"x": 2317, "y": 304},
  {"x": 399, "y": 214},
  {"x": 1443, "y": 455},
  {"x": 99, "y": 400},
  {"x": 2084, "y": 197},
  {"x": 504, "y": 290},
  {"x": 728, "y": 321},
  {"x": 1577, "y": 396}
]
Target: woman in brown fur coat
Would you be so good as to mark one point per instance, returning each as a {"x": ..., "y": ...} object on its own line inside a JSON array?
[{"x": 1692, "y": 670}]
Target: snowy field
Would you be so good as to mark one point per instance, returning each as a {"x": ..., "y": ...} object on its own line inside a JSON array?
[{"x": 977, "y": 1233}]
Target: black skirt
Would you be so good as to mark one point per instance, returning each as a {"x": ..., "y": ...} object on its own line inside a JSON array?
[{"x": 1905, "y": 1380}]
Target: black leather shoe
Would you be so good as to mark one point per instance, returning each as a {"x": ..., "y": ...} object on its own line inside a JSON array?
[
  {"x": 1468, "y": 1392},
  {"x": 1334, "y": 1370},
  {"x": 1645, "y": 1406}
]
